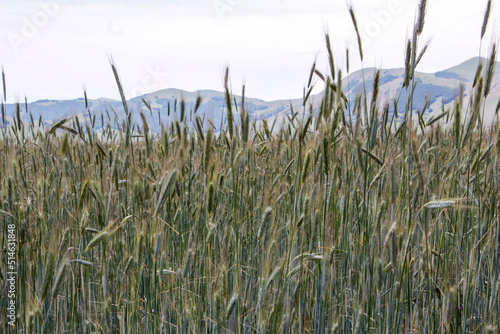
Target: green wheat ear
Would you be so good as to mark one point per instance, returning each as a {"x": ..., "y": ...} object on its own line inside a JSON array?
[
  {"x": 231, "y": 305},
  {"x": 358, "y": 35},
  {"x": 306, "y": 165},
  {"x": 490, "y": 70},
  {"x": 264, "y": 223},
  {"x": 207, "y": 149},
  {"x": 229, "y": 106},
  {"x": 4, "y": 85},
  {"x": 47, "y": 274},
  {"x": 211, "y": 198},
  {"x": 58, "y": 281},
  {"x": 486, "y": 18},
  {"x": 166, "y": 190}
]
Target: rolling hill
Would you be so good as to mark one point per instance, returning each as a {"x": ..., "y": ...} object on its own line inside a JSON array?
[{"x": 440, "y": 87}]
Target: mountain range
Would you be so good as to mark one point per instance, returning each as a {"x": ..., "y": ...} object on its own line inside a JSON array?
[{"x": 165, "y": 105}]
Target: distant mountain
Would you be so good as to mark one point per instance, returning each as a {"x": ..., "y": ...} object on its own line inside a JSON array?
[
  {"x": 467, "y": 69},
  {"x": 440, "y": 87},
  {"x": 166, "y": 106}
]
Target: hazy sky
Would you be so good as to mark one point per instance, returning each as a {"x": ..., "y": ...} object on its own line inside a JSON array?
[{"x": 52, "y": 48}]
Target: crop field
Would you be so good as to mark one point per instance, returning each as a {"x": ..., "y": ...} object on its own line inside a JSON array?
[{"x": 338, "y": 220}]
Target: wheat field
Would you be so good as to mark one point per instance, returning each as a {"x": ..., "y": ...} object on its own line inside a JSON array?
[{"x": 342, "y": 220}]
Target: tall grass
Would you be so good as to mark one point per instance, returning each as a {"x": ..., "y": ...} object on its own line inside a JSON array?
[{"x": 321, "y": 224}]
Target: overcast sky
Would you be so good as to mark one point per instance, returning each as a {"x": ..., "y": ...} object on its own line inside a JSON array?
[{"x": 53, "y": 48}]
